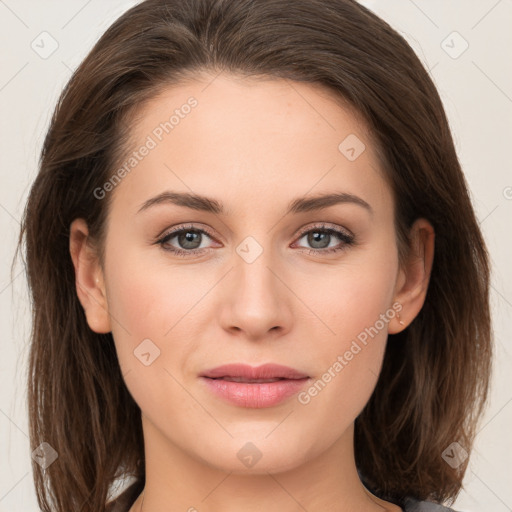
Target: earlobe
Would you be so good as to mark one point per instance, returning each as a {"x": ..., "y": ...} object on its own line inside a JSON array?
[
  {"x": 89, "y": 283},
  {"x": 414, "y": 278}
]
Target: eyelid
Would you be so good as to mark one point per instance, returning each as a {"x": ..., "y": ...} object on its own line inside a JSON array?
[
  {"x": 182, "y": 227},
  {"x": 324, "y": 226}
]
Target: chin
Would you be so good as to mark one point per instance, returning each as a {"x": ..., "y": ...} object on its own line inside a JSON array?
[{"x": 254, "y": 457}]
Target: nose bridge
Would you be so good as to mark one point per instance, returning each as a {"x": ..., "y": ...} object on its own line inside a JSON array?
[
  {"x": 256, "y": 301},
  {"x": 253, "y": 272}
]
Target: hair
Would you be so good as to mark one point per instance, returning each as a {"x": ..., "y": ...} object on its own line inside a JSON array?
[{"x": 435, "y": 376}]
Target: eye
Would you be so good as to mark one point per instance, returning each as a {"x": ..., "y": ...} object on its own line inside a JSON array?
[
  {"x": 188, "y": 238},
  {"x": 320, "y": 238}
]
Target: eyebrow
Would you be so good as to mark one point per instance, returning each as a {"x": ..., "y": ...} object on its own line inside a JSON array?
[{"x": 298, "y": 205}]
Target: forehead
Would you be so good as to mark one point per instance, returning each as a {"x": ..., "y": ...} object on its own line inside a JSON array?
[{"x": 238, "y": 137}]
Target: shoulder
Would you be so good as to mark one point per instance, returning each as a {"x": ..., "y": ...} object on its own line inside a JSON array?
[{"x": 412, "y": 505}]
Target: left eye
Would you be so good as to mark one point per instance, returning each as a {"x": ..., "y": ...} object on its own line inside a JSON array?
[
  {"x": 189, "y": 240},
  {"x": 321, "y": 238}
]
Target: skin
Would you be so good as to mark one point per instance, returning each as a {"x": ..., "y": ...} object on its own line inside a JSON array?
[{"x": 255, "y": 146}]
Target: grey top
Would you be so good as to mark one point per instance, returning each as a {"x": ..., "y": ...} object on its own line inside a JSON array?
[{"x": 127, "y": 498}]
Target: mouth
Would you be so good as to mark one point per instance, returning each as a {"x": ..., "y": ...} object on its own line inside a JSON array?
[{"x": 246, "y": 386}]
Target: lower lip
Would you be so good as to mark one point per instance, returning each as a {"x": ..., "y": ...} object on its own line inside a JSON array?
[{"x": 255, "y": 395}]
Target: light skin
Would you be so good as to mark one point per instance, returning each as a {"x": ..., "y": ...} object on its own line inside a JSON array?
[{"x": 254, "y": 146}]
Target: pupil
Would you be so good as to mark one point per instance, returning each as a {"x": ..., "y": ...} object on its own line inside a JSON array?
[
  {"x": 189, "y": 240},
  {"x": 316, "y": 236}
]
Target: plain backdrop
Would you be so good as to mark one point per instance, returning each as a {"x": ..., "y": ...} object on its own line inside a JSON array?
[{"x": 466, "y": 45}]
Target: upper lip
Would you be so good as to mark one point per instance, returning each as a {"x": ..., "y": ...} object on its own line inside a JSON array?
[{"x": 266, "y": 371}]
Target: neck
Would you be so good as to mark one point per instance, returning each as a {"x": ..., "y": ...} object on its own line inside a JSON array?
[{"x": 177, "y": 481}]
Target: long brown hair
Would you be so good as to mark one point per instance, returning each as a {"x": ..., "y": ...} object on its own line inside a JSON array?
[{"x": 435, "y": 376}]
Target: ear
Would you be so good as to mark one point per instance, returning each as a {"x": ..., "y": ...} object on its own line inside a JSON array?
[
  {"x": 89, "y": 281},
  {"x": 414, "y": 275}
]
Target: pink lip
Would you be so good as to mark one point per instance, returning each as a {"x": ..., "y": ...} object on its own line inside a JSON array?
[{"x": 254, "y": 394}]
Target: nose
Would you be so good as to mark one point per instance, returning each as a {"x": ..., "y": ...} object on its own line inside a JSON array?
[{"x": 255, "y": 303}]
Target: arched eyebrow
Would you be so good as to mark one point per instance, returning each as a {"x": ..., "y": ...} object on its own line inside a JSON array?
[{"x": 298, "y": 205}]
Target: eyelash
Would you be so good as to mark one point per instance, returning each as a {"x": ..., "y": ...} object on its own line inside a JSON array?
[{"x": 345, "y": 237}]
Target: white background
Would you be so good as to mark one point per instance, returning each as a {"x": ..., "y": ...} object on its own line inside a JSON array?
[{"x": 476, "y": 88}]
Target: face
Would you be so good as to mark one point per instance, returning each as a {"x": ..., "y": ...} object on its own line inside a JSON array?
[{"x": 252, "y": 277}]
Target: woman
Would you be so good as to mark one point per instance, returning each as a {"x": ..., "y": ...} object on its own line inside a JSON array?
[{"x": 258, "y": 280}]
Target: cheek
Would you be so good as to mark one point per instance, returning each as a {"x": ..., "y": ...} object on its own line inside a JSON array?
[
  {"x": 357, "y": 307},
  {"x": 347, "y": 364},
  {"x": 353, "y": 298},
  {"x": 152, "y": 311},
  {"x": 161, "y": 310},
  {"x": 150, "y": 300}
]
